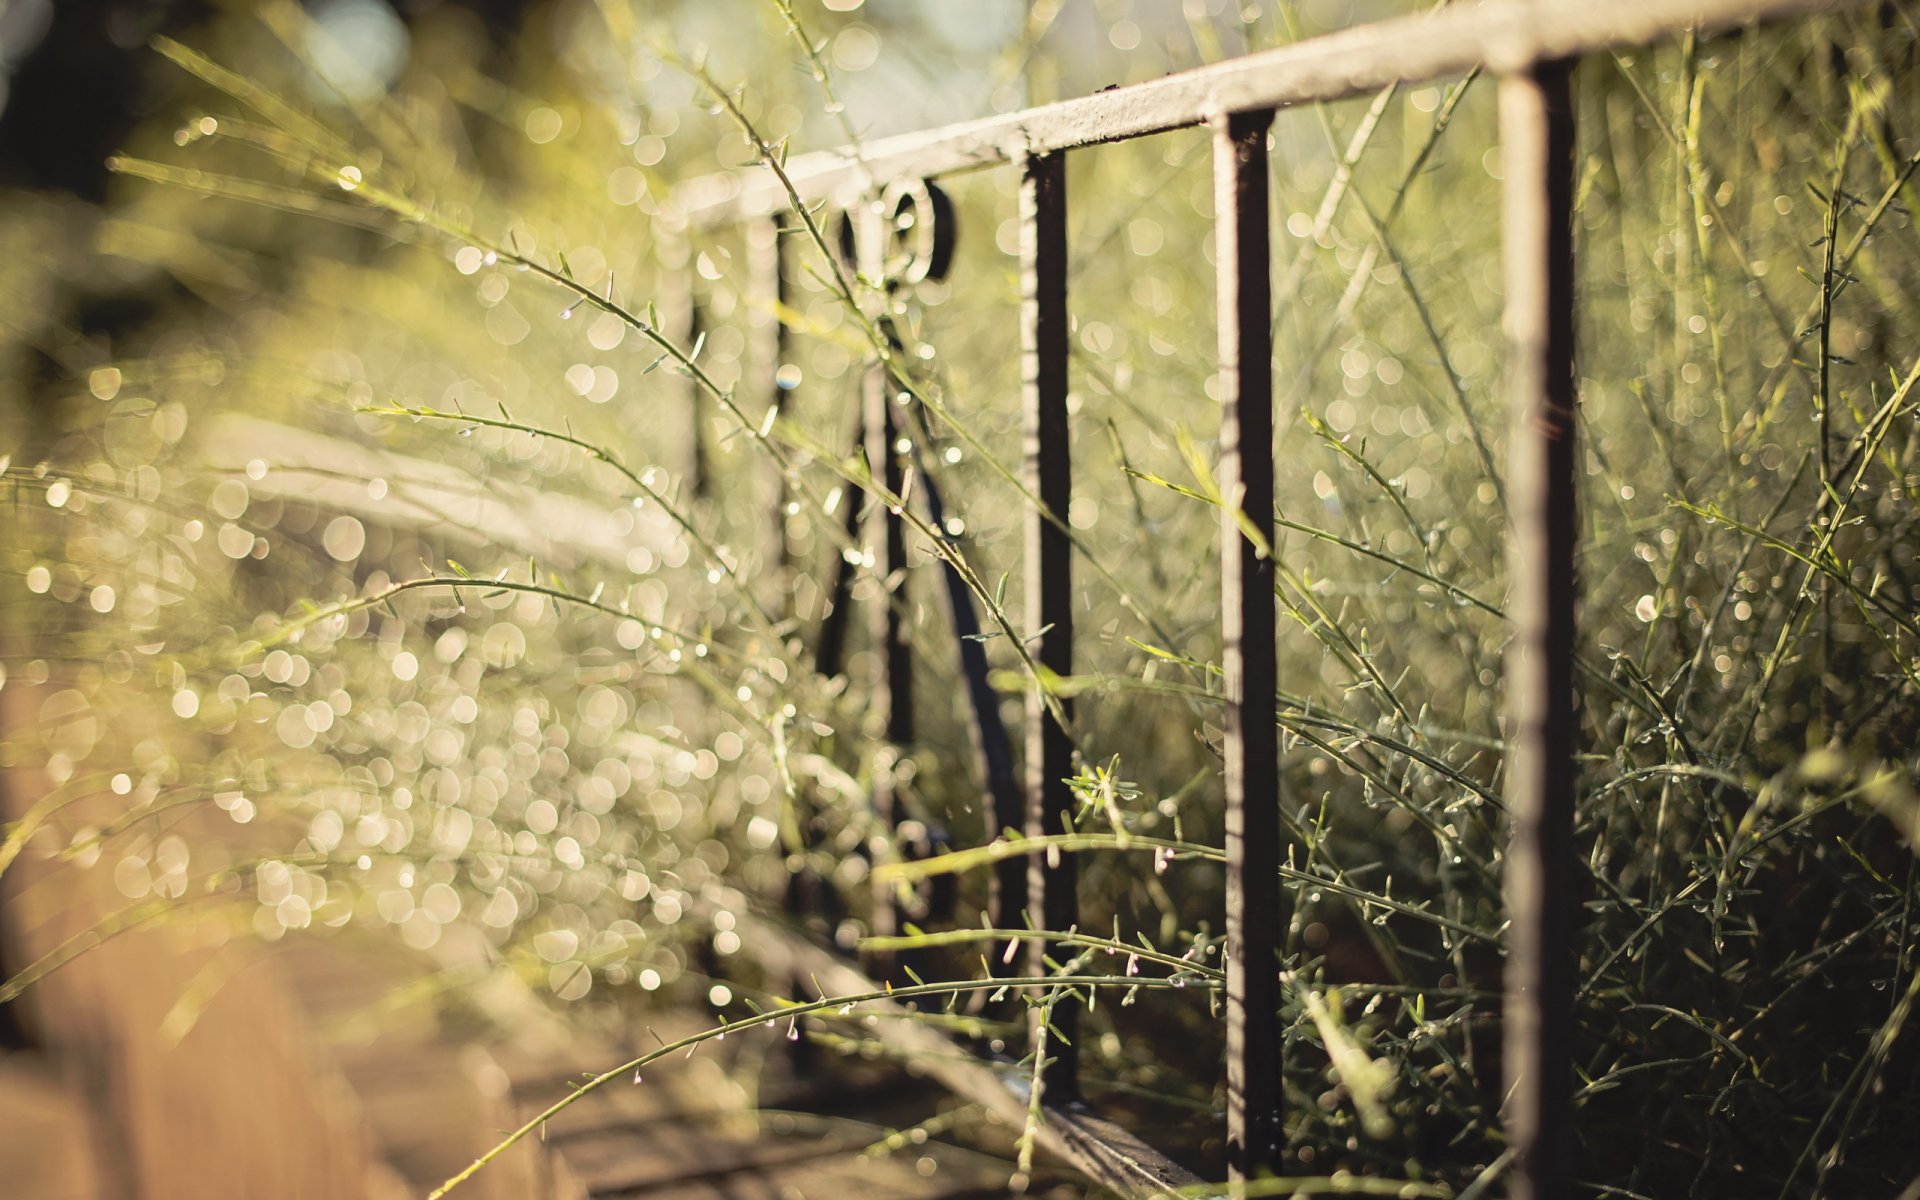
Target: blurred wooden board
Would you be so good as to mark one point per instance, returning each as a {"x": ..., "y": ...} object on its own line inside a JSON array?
[
  {"x": 687, "y": 1131},
  {"x": 196, "y": 1070},
  {"x": 46, "y": 1139},
  {"x": 431, "y": 1105}
]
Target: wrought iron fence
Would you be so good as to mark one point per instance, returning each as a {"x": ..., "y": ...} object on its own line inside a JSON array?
[{"x": 897, "y": 228}]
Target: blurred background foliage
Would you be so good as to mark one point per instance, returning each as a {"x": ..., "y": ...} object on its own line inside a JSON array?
[{"x": 559, "y": 780}]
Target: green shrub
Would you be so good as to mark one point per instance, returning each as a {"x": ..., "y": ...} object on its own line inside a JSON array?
[{"x": 561, "y": 735}]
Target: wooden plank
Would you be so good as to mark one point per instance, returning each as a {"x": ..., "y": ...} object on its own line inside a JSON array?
[
  {"x": 690, "y": 1129},
  {"x": 333, "y": 473},
  {"x": 646, "y": 1155},
  {"x": 1102, "y": 1151},
  {"x": 947, "y": 1174},
  {"x": 431, "y": 1103},
  {"x": 47, "y": 1139},
  {"x": 230, "y": 1097}
]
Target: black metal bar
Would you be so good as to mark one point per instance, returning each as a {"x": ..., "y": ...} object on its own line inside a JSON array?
[
  {"x": 830, "y": 648},
  {"x": 1501, "y": 34},
  {"x": 926, "y": 254},
  {"x": 766, "y": 263},
  {"x": 990, "y": 739},
  {"x": 1254, "y": 901},
  {"x": 1007, "y": 898},
  {"x": 893, "y": 678},
  {"x": 699, "y": 469},
  {"x": 1051, "y": 879},
  {"x": 893, "y": 668},
  {"x": 1536, "y": 138},
  {"x": 807, "y": 896}
]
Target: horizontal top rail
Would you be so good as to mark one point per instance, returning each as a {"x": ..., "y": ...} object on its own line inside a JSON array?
[{"x": 1501, "y": 34}]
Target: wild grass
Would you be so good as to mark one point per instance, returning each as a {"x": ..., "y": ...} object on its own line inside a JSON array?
[{"x": 561, "y": 756}]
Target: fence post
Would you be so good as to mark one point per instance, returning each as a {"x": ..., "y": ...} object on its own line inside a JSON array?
[
  {"x": 1536, "y": 137},
  {"x": 1052, "y": 879},
  {"x": 1254, "y": 901}
]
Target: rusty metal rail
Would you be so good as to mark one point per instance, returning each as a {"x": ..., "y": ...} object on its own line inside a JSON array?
[
  {"x": 1536, "y": 131},
  {"x": 1533, "y": 48},
  {"x": 1501, "y": 35}
]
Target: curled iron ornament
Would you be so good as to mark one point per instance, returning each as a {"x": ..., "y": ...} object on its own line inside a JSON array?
[{"x": 920, "y": 233}]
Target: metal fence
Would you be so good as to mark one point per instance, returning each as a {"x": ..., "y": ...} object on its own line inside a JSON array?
[{"x": 1533, "y": 48}]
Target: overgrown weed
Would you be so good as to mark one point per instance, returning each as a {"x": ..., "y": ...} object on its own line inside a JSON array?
[{"x": 565, "y": 747}]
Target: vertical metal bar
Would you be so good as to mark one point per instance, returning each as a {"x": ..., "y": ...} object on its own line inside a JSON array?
[
  {"x": 766, "y": 262},
  {"x": 990, "y": 740},
  {"x": 1254, "y": 900},
  {"x": 1051, "y": 883},
  {"x": 893, "y": 674},
  {"x": 766, "y": 266},
  {"x": 888, "y": 461},
  {"x": 830, "y": 649},
  {"x": 1536, "y": 138},
  {"x": 698, "y": 468},
  {"x": 893, "y": 680}
]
